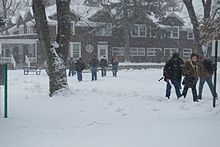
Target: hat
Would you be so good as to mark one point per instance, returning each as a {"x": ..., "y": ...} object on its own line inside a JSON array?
[
  {"x": 194, "y": 54},
  {"x": 176, "y": 55}
]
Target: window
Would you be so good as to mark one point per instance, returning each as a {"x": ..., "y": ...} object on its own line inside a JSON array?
[
  {"x": 190, "y": 35},
  {"x": 21, "y": 29},
  {"x": 152, "y": 51},
  {"x": 139, "y": 30},
  {"x": 31, "y": 29},
  {"x": 135, "y": 30},
  {"x": 187, "y": 52},
  {"x": 137, "y": 51},
  {"x": 75, "y": 50},
  {"x": 73, "y": 28},
  {"x": 174, "y": 32},
  {"x": 105, "y": 30},
  {"x": 120, "y": 51},
  {"x": 53, "y": 29},
  {"x": 142, "y": 32},
  {"x": 170, "y": 51},
  {"x": 153, "y": 32}
]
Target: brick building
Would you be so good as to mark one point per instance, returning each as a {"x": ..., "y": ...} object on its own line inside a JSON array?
[{"x": 93, "y": 32}]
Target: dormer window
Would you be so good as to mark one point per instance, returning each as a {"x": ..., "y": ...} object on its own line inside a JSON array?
[
  {"x": 105, "y": 30},
  {"x": 73, "y": 27},
  {"x": 139, "y": 30},
  {"x": 174, "y": 32},
  {"x": 30, "y": 29},
  {"x": 21, "y": 29},
  {"x": 190, "y": 35}
]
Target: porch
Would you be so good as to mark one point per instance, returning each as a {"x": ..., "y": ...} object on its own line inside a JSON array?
[{"x": 18, "y": 52}]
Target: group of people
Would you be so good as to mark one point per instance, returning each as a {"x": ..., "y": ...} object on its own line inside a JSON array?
[
  {"x": 76, "y": 67},
  {"x": 196, "y": 68}
]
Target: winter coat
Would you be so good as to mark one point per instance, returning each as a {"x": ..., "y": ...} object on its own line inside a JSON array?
[
  {"x": 191, "y": 69},
  {"x": 191, "y": 73},
  {"x": 71, "y": 64},
  {"x": 173, "y": 69},
  {"x": 94, "y": 62},
  {"x": 103, "y": 62},
  {"x": 115, "y": 61},
  {"x": 206, "y": 68},
  {"x": 80, "y": 65}
]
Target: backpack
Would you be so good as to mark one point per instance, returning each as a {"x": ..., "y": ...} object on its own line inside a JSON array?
[{"x": 209, "y": 66}]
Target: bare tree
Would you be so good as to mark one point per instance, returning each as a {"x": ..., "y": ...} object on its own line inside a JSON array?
[
  {"x": 129, "y": 11},
  {"x": 195, "y": 21},
  {"x": 56, "y": 52},
  {"x": 9, "y": 7}
]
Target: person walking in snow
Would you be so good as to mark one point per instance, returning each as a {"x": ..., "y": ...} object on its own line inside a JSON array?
[
  {"x": 80, "y": 66},
  {"x": 71, "y": 67},
  {"x": 94, "y": 65},
  {"x": 173, "y": 75},
  {"x": 191, "y": 73},
  {"x": 103, "y": 64},
  {"x": 115, "y": 62},
  {"x": 206, "y": 70}
]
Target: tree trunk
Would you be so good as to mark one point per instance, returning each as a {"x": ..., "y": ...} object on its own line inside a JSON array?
[
  {"x": 56, "y": 66},
  {"x": 195, "y": 23},
  {"x": 126, "y": 28},
  {"x": 64, "y": 28},
  {"x": 207, "y": 8}
]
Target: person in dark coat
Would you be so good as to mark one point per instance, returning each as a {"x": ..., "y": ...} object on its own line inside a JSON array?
[
  {"x": 115, "y": 62},
  {"x": 71, "y": 67},
  {"x": 173, "y": 75},
  {"x": 103, "y": 64},
  {"x": 206, "y": 71},
  {"x": 94, "y": 65},
  {"x": 80, "y": 66},
  {"x": 191, "y": 73}
]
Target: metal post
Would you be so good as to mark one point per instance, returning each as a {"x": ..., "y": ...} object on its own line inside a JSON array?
[
  {"x": 6, "y": 91},
  {"x": 215, "y": 74}
]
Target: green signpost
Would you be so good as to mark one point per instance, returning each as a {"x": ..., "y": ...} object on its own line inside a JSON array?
[
  {"x": 4, "y": 82},
  {"x": 215, "y": 54}
]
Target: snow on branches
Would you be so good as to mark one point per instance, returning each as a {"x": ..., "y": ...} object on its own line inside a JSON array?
[{"x": 210, "y": 29}]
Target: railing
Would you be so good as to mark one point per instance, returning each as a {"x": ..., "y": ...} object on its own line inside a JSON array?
[
  {"x": 5, "y": 60},
  {"x": 27, "y": 61},
  {"x": 13, "y": 61}
]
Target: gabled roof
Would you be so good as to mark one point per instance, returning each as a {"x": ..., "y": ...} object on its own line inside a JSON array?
[{"x": 174, "y": 14}]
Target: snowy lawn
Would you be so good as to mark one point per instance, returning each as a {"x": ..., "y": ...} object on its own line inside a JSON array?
[{"x": 127, "y": 111}]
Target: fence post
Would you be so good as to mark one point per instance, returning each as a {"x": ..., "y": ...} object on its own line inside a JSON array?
[{"x": 6, "y": 90}]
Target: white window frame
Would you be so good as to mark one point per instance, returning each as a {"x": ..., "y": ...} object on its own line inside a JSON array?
[
  {"x": 153, "y": 51},
  {"x": 102, "y": 30},
  {"x": 188, "y": 35},
  {"x": 172, "y": 32},
  {"x": 30, "y": 29},
  {"x": 171, "y": 51},
  {"x": 21, "y": 29},
  {"x": 71, "y": 51},
  {"x": 73, "y": 28},
  {"x": 120, "y": 52},
  {"x": 187, "y": 52},
  {"x": 151, "y": 36},
  {"x": 139, "y": 32},
  {"x": 137, "y": 51},
  {"x": 56, "y": 29}
]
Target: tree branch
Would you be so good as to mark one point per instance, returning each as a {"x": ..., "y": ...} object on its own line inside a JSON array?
[
  {"x": 215, "y": 13},
  {"x": 9, "y": 6}
]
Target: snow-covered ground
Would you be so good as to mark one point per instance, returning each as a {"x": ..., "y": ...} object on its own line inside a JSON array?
[{"x": 127, "y": 111}]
